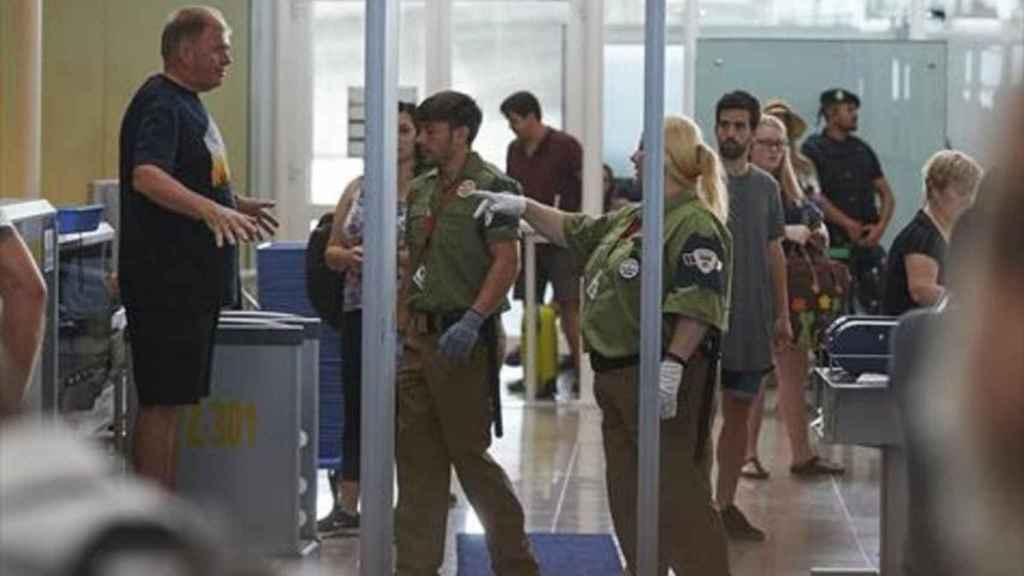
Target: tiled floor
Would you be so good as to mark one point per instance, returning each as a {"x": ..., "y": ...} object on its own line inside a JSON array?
[{"x": 552, "y": 452}]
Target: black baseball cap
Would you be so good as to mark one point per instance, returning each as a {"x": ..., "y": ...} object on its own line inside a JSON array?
[{"x": 838, "y": 96}]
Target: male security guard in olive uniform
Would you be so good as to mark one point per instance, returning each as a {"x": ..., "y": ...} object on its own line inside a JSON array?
[
  {"x": 461, "y": 272},
  {"x": 697, "y": 264}
]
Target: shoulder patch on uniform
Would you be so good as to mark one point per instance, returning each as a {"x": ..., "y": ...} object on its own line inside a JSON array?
[{"x": 700, "y": 264}]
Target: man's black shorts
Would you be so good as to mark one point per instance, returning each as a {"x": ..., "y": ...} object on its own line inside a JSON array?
[
  {"x": 172, "y": 353},
  {"x": 556, "y": 265}
]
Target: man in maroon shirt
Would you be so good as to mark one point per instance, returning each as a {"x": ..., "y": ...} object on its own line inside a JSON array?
[{"x": 549, "y": 165}]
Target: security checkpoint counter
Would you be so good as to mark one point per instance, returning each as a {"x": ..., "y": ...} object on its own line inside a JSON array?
[
  {"x": 241, "y": 449},
  {"x": 864, "y": 411},
  {"x": 310, "y": 402}
]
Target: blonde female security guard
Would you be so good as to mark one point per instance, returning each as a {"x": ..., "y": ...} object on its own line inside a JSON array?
[{"x": 697, "y": 263}]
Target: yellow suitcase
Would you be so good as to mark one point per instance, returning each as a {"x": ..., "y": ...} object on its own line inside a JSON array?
[{"x": 547, "y": 349}]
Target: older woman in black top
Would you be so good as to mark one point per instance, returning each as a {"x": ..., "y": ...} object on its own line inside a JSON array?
[{"x": 915, "y": 274}]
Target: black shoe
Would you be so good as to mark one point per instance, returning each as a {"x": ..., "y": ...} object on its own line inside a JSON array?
[
  {"x": 338, "y": 522},
  {"x": 737, "y": 527},
  {"x": 815, "y": 467},
  {"x": 548, "y": 391},
  {"x": 574, "y": 381}
]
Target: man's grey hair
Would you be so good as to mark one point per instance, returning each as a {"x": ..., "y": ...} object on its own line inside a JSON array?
[{"x": 187, "y": 24}]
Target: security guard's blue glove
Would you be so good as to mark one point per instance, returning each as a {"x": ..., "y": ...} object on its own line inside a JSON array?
[
  {"x": 669, "y": 380},
  {"x": 457, "y": 342}
]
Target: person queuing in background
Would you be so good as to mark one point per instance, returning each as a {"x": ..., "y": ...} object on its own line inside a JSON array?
[
  {"x": 549, "y": 164},
  {"x": 344, "y": 253},
  {"x": 180, "y": 220},
  {"x": 759, "y": 311},
  {"x": 697, "y": 257},
  {"x": 613, "y": 200},
  {"x": 803, "y": 168},
  {"x": 916, "y": 269},
  {"x": 460, "y": 273},
  {"x": 22, "y": 311},
  {"x": 852, "y": 185},
  {"x": 804, "y": 226}
]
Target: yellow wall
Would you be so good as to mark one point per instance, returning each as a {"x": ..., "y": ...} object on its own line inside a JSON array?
[
  {"x": 6, "y": 55},
  {"x": 96, "y": 53}
]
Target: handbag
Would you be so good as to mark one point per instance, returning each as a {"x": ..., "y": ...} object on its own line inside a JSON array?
[
  {"x": 818, "y": 291},
  {"x": 325, "y": 288}
]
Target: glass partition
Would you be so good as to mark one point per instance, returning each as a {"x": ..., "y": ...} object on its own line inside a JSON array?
[
  {"x": 500, "y": 47},
  {"x": 338, "y": 47}
]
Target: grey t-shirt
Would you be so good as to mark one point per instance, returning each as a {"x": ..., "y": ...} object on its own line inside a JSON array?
[{"x": 755, "y": 219}]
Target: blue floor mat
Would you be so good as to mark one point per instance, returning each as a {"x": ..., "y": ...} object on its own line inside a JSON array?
[{"x": 558, "y": 554}]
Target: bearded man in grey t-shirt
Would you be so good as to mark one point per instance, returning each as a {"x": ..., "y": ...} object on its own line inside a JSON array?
[{"x": 758, "y": 317}]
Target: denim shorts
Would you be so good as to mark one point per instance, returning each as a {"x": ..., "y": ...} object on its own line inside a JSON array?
[{"x": 743, "y": 384}]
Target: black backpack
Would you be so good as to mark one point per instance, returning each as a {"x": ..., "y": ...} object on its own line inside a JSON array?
[{"x": 324, "y": 287}]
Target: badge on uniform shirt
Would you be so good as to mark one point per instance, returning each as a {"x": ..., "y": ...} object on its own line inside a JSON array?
[
  {"x": 700, "y": 264},
  {"x": 629, "y": 268},
  {"x": 594, "y": 286},
  {"x": 420, "y": 277},
  {"x": 465, "y": 189}
]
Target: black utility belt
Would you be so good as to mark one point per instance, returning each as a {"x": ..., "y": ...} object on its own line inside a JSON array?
[
  {"x": 605, "y": 364},
  {"x": 429, "y": 322}
]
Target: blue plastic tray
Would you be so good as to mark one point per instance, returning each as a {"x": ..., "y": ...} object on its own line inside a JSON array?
[{"x": 75, "y": 219}]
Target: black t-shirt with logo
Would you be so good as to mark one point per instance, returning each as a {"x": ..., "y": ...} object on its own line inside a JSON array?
[
  {"x": 921, "y": 236},
  {"x": 167, "y": 258},
  {"x": 847, "y": 171}
]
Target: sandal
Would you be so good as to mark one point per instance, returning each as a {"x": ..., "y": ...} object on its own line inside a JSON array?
[
  {"x": 753, "y": 469},
  {"x": 817, "y": 466}
]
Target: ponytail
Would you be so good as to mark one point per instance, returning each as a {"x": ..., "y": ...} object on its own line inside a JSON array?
[
  {"x": 711, "y": 187},
  {"x": 688, "y": 160}
]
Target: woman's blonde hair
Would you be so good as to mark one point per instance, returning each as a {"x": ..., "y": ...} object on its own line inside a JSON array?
[
  {"x": 689, "y": 161},
  {"x": 785, "y": 175},
  {"x": 948, "y": 167}
]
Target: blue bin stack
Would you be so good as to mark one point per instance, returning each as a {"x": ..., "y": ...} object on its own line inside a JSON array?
[{"x": 282, "y": 288}]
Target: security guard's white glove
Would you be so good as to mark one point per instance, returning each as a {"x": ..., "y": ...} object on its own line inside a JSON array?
[
  {"x": 498, "y": 203},
  {"x": 669, "y": 380},
  {"x": 458, "y": 340}
]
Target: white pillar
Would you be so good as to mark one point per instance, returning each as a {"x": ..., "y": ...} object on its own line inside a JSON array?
[
  {"x": 439, "y": 46},
  {"x": 691, "y": 31},
  {"x": 593, "y": 138},
  {"x": 573, "y": 74},
  {"x": 24, "y": 178},
  {"x": 380, "y": 288},
  {"x": 292, "y": 117}
]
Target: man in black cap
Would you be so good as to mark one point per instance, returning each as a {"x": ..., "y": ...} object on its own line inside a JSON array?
[{"x": 851, "y": 178}]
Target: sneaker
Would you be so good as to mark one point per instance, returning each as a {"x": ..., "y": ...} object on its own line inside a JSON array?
[
  {"x": 339, "y": 522},
  {"x": 737, "y": 527},
  {"x": 548, "y": 390}
]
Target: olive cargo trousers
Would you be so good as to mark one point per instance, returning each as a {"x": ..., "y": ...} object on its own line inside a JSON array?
[
  {"x": 691, "y": 539},
  {"x": 444, "y": 421}
]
